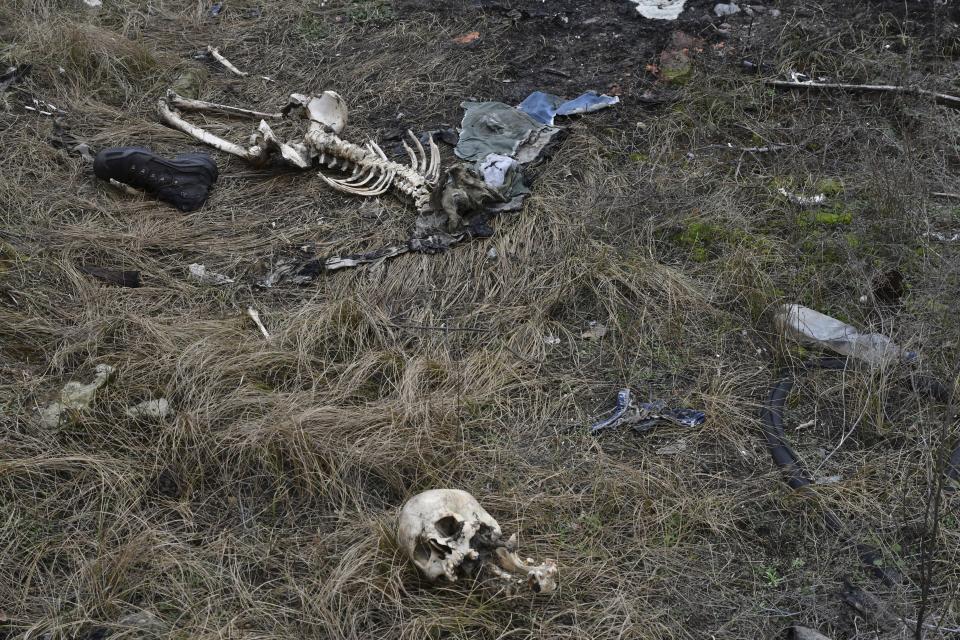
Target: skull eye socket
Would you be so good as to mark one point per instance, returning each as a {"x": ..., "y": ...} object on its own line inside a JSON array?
[
  {"x": 449, "y": 526},
  {"x": 421, "y": 553}
]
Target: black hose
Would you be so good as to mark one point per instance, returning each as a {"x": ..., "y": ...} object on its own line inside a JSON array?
[{"x": 796, "y": 476}]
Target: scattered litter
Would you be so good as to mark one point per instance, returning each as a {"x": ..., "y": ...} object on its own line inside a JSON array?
[
  {"x": 188, "y": 83},
  {"x": 504, "y": 174},
  {"x": 645, "y": 415},
  {"x": 551, "y": 339},
  {"x": 672, "y": 449},
  {"x": 113, "y": 276},
  {"x": 75, "y": 397},
  {"x": 814, "y": 328},
  {"x": 805, "y": 633},
  {"x": 13, "y": 75},
  {"x": 660, "y": 9},
  {"x": 467, "y": 38},
  {"x": 498, "y": 128},
  {"x": 256, "y": 320},
  {"x": 213, "y": 51},
  {"x": 158, "y": 409},
  {"x": 943, "y": 237},
  {"x": 722, "y": 10},
  {"x": 216, "y": 9},
  {"x": 61, "y": 138},
  {"x": 594, "y": 331},
  {"x": 199, "y": 272},
  {"x": 803, "y": 201},
  {"x": 543, "y": 107}
]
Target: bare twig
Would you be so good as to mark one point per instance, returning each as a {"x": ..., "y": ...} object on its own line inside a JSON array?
[
  {"x": 943, "y": 194},
  {"x": 939, "y": 98}
]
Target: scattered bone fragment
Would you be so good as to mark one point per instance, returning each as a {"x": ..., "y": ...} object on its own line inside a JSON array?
[
  {"x": 213, "y": 51},
  {"x": 75, "y": 397},
  {"x": 200, "y": 273},
  {"x": 803, "y": 201},
  {"x": 660, "y": 9},
  {"x": 256, "y": 320},
  {"x": 594, "y": 331},
  {"x": 158, "y": 409},
  {"x": 805, "y": 633},
  {"x": 447, "y": 535}
]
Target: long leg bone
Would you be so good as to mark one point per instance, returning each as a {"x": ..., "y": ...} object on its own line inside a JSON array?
[
  {"x": 174, "y": 120},
  {"x": 188, "y": 104}
]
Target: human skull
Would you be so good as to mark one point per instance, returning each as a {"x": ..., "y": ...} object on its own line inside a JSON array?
[
  {"x": 447, "y": 534},
  {"x": 328, "y": 109}
]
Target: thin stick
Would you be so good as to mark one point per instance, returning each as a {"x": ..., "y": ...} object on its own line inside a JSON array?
[
  {"x": 939, "y": 98},
  {"x": 226, "y": 63},
  {"x": 942, "y": 194},
  {"x": 189, "y": 104}
]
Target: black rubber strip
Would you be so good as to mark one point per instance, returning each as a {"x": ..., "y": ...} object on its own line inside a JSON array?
[{"x": 796, "y": 476}]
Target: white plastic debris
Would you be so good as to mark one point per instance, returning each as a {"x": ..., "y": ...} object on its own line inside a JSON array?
[
  {"x": 551, "y": 340},
  {"x": 74, "y": 397},
  {"x": 728, "y": 9},
  {"x": 943, "y": 237},
  {"x": 158, "y": 409},
  {"x": 803, "y": 201},
  {"x": 200, "y": 274},
  {"x": 93, "y": 3},
  {"x": 660, "y": 9},
  {"x": 810, "y": 327},
  {"x": 594, "y": 331}
]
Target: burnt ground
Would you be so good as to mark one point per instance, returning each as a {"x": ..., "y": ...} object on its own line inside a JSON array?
[{"x": 265, "y": 507}]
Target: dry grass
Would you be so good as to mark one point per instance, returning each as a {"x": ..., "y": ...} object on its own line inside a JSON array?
[{"x": 266, "y": 507}]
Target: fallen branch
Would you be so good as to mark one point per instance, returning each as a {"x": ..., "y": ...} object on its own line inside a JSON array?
[{"x": 939, "y": 98}]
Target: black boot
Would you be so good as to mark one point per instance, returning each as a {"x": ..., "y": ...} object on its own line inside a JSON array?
[{"x": 184, "y": 181}]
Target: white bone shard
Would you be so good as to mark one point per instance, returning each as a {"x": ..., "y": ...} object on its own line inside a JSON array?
[
  {"x": 75, "y": 397},
  {"x": 446, "y": 534},
  {"x": 256, "y": 320},
  {"x": 213, "y": 51}
]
